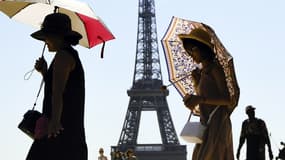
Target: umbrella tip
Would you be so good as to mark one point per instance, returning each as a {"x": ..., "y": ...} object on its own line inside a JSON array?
[{"x": 55, "y": 9}]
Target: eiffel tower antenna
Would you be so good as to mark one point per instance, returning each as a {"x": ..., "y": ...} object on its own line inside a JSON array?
[{"x": 146, "y": 95}]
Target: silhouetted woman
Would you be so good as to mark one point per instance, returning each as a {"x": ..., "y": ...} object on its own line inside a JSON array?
[{"x": 64, "y": 94}]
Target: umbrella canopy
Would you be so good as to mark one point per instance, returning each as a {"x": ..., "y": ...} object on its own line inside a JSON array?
[
  {"x": 180, "y": 65},
  {"x": 83, "y": 19}
]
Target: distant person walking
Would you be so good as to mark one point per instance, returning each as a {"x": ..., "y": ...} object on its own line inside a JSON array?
[
  {"x": 102, "y": 156},
  {"x": 117, "y": 155},
  {"x": 255, "y": 133},
  {"x": 130, "y": 155}
]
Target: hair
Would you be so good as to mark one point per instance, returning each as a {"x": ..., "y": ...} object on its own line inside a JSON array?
[
  {"x": 206, "y": 52},
  {"x": 72, "y": 40},
  {"x": 68, "y": 39}
]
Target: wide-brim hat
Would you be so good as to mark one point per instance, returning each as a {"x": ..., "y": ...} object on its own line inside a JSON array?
[
  {"x": 56, "y": 24},
  {"x": 198, "y": 35}
]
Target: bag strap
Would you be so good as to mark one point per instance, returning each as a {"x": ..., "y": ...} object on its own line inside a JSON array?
[
  {"x": 190, "y": 116},
  {"x": 210, "y": 117},
  {"x": 38, "y": 94}
]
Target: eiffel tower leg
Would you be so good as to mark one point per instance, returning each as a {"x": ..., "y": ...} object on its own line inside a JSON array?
[
  {"x": 129, "y": 133},
  {"x": 166, "y": 126}
]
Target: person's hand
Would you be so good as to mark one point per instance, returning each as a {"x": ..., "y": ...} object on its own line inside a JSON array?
[
  {"x": 186, "y": 97},
  {"x": 163, "y": 88},
  {"x": 41, "y": 127},
  {"x": 190, "y": 101},
  {"x": 54, "y": 128},
  {"x": 41, "y": 65}
]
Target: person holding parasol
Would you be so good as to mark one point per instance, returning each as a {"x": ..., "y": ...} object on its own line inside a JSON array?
[{"x": 212, "y": 94}]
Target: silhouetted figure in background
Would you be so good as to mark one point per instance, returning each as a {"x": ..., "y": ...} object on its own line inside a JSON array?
[
  {"x": 117, "y": 156},
  {"x": 102, "y": 156},
  {"x": 130, "y": 155},
  {"x": 281, "y": 154},
  {"x": 255, "y": 133}
]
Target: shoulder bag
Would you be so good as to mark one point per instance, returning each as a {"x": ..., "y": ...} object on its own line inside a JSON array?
[
  {"x": 28, "y": 123},
  {"x": 193, "y": 131}
]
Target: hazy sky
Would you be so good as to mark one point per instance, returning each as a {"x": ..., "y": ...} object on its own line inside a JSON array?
[{"x": 252, "y": 31}]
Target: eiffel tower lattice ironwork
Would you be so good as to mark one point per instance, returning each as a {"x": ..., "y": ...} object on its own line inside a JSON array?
[{"x": 146, "y": 95}]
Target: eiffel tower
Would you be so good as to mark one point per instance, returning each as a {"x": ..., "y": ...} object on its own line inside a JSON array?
[{"x": 146, "y": 95}]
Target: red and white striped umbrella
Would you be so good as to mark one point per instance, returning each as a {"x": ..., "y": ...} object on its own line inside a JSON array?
[{"x": 83, "y": 19}]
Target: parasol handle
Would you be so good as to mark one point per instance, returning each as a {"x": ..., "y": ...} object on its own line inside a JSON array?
[
  {"x": 164, "y": 87},
  {"x": 43, "y": 51},
  {"x": 172, "y": 83},
  {"x": 28, "y": 74}
]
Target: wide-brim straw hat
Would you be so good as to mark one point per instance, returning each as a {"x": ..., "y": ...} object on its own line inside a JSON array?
[
  {"x": 56, "y": 24},
  {"x": 198, "y": 35}
]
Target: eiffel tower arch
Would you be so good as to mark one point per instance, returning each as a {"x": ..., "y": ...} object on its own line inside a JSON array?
[{"x": 146, "y": 95}]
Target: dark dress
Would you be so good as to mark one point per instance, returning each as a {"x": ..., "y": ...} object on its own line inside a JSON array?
[{"x": 70, "y": 144}]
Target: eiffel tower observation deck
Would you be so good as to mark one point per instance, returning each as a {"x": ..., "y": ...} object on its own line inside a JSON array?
[{"x": 146, "y": 95}]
